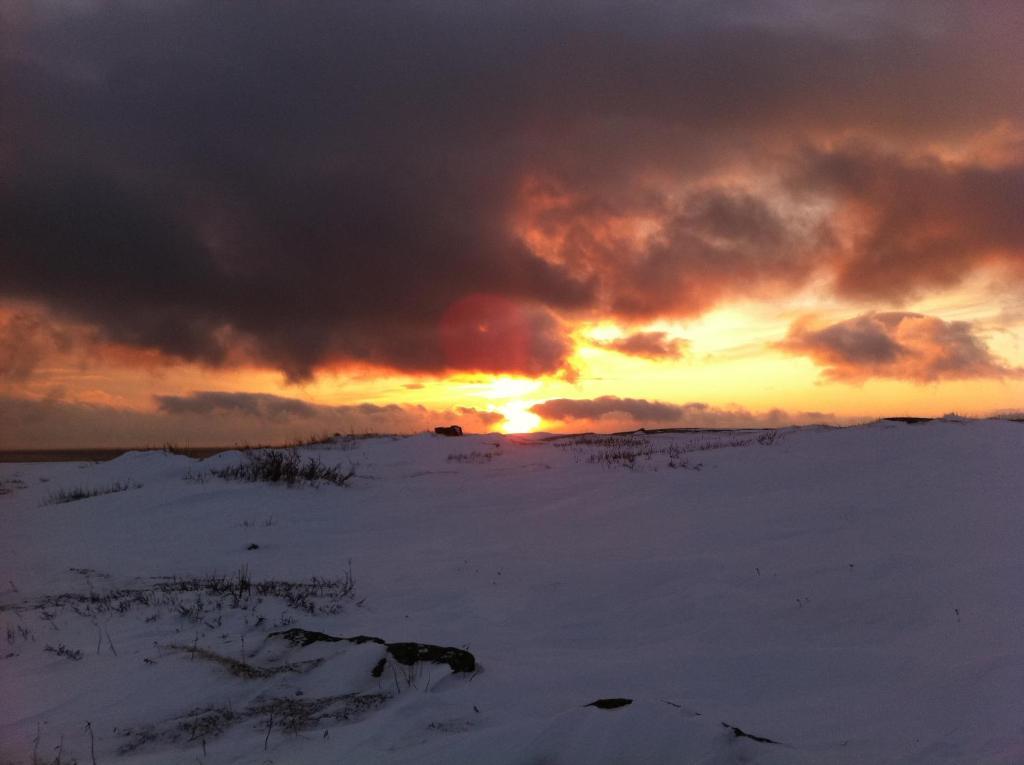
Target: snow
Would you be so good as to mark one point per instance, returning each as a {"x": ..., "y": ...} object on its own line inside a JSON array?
[{"x": 852, "y": 594}]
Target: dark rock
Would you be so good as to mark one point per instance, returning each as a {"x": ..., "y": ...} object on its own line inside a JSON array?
[
  {"x": 743, "y": 734},
  {"x": 409, "y": 653},
  {"x": 302, "y": 638},
  {"x": 360, "y": 639},
  {"x": 253, "y": 546},
  {"x": 458, "y": 659},
  {"x": 610, "y": 703},
  {"x": 451, "y": 430}
]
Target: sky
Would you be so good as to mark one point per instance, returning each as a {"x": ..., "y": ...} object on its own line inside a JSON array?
[{"x": 246, "y": 222}]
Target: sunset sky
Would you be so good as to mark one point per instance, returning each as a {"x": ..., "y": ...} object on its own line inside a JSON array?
[{"x": 227, "y": 222}]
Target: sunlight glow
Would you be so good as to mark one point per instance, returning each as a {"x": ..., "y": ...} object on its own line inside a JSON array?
[
  {"x": 518, "y": 417},
  {"x": 509, "y": 387}
]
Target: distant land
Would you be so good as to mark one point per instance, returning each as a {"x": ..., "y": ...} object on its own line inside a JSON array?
[{"x": 99, "y": 455}]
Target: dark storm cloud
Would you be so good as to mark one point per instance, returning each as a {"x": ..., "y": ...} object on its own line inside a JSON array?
[
  {"x": 311, "y": 184},
  {"x": 712, "y": 244},
  {"x": 918, "y": 222},
  {"x": 650, "y": 345},
  {"x": 901, "y": 345},
  {"x": 607, "y": 412}
]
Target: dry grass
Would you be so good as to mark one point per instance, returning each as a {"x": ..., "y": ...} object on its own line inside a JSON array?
[
  {"x": 476, "y": 458},
  {"x": 287, "y": 467},
  {"x": 636, "y": 450},
  {"x": 290, "y": 715},
  {"x": 62, "y": 496},
  {"x": 196, "y": 598},
  {"x": 242, "y": 668}
]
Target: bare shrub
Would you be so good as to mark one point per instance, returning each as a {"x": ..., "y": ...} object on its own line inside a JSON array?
[{"x": 280, "y": 466}]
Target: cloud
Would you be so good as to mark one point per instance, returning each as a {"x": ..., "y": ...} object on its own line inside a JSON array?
[
  {"x": 490, "y": 333},
  {"x": 654, "y": 256},
  {"x": 374, "y": 183},
  {"x": 649, "y": 345},
  {"x": 488, "y": 418},
  {"x": 905, "y": 224},
  {"x": 908, "y": 346},
  {"x": 638, "y": 409},
  {"x": 27, "y": 338},
  {"x": 614, "y": 413},
  {"x": 263, "y": 405},
  {"x": 216, "y": 418},
  {"x": 267, "y": 407}
]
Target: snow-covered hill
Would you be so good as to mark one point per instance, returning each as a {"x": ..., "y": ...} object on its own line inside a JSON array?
[{"x": 814, "y": 596}]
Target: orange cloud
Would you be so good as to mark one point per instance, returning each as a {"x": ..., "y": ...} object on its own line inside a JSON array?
[
  {"x": 648, "y": 345},
  {"x": 908, "y": 346},
  {"x": 27, "y": 338}
]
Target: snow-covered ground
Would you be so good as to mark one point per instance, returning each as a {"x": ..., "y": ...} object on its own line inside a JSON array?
[{"x": 854, "y": 595}]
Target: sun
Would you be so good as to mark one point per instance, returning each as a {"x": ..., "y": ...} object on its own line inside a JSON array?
[{"x": 518, "y": 417}]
